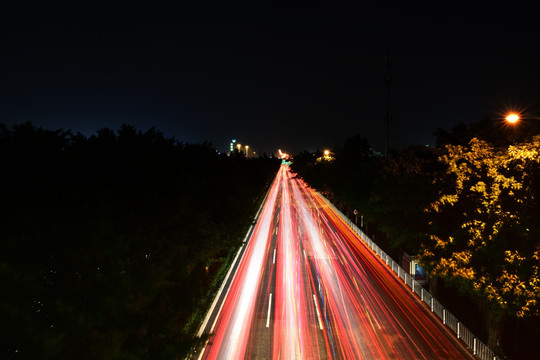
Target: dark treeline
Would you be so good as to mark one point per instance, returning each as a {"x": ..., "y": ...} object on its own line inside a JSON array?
[
  {"x": 386, "y": 192},
  {"x": 109, "y": 243},
  {"x": 467, "y": 208}
]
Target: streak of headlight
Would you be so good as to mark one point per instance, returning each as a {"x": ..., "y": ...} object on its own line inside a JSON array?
[
  {"x": 291, "y": 337},
  {"x": 230, "y": 340}
]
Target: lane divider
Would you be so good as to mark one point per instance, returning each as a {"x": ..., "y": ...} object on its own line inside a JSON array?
[
  {"x": 269, "y": 310},
  {"x": 318, "y": 313}
]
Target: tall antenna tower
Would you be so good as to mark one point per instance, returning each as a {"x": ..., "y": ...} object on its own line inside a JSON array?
[{"x": 387, "y": 116}]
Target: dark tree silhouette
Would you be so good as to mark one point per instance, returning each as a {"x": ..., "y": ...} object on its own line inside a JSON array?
[{"x": 109, "y": 243}]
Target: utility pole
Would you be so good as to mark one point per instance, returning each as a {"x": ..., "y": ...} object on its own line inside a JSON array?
[{"x": 387, "y": 116}]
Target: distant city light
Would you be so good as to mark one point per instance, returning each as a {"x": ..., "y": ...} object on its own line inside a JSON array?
[{"x": 231, "y": 147}]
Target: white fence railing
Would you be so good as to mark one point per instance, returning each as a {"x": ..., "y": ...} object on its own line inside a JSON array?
[{"x": 478, "y": 348}]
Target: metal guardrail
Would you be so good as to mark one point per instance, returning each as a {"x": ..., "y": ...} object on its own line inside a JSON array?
[{"x": 478, "y": 348}]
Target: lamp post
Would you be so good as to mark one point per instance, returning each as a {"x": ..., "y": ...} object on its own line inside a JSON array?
[
  {"x": 513, "y": 119},
  {"x": 247, "y": 151}
]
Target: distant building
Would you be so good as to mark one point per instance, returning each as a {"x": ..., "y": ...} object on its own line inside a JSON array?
[
  {"x": 245, "y": 150},
  {"x": 233, "y": 145}
]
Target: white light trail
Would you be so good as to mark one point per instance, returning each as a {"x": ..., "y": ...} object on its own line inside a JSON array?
[{"x": 317, "y": 310}]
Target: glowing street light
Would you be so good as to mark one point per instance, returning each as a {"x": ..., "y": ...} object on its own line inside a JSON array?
[
  {"x": 239, "y": 146},
  {"x": 512, "y": 118},
  {"x": 247, "y": 150},
  {"x": 326, "y": 156}
]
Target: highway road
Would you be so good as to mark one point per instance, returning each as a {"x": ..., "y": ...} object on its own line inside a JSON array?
[{"x": 304, "y": 286}]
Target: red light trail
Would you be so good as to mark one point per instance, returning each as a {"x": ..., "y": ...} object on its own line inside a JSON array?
[{"x": 307, "y": 287}]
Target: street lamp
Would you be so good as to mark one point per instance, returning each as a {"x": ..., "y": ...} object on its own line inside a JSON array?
[
  {"x": 512, "y": 118},
  {"x": 239, "y": 146},
  {"x": 247, "y": 151},
  {"x": 515, "y": 130}
]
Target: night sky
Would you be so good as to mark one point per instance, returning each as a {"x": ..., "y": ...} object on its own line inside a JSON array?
[{"x": 293, "y": 77}]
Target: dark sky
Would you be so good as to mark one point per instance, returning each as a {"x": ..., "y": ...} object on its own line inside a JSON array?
[{"x": 295, "y": 77}]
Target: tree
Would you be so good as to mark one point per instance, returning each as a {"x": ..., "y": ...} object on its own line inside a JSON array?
[
  {"x": 402, "y": 190},
  {"x": 495, "y": 132},
  {"x": 483, "y": 235},
  {"x": 105, "y": 242}
]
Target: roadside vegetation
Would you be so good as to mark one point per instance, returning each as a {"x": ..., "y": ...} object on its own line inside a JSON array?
[
  {"x": 109, "y": 244},
  {"x": 468, "y": 209}
]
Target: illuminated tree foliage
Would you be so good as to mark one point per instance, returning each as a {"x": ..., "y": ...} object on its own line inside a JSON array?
[{"x": 484, "y": 233}]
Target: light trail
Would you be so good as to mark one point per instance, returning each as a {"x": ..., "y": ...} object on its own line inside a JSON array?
[
  {"x": 311, "y": 289},
  {"x": 235, "y": 317},
  {"x": 318, "y": 313},
  {"x": 294, "y": 337}
]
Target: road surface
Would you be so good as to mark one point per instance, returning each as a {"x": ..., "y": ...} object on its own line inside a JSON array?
[{"x": 304, "y": 286}]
